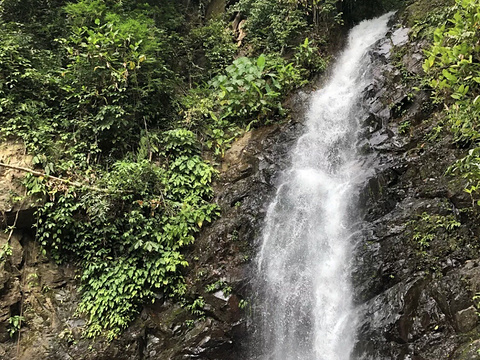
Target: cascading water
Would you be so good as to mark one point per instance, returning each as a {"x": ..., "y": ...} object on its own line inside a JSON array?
[{"x": 303, "y": 285}]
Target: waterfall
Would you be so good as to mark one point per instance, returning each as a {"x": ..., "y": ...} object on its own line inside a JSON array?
[{"x": 304, "y": 296}]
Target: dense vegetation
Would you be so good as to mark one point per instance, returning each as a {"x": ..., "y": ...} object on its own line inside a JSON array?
[
  {"x": 121, "y": 103},
  {"x": 453, "y": 72}
]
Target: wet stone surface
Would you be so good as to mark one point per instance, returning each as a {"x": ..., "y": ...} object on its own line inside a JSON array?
[{"x": 413, "y": 301}]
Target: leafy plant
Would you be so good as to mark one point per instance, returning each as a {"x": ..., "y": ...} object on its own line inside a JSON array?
[
  {"x": 426, "y": 228},
  {"x": 25, "y": 84},
  {"x": 5, "y": 252},
  {"x": 243, "y": 304},
  {"x": 307, "y": 56},
  {"x": 253, "y": 89},
  {"x": 219, "y": 285},
  {"x": 109, "y": 80},
  {"x": 106, "y": 82},
  {"x": 15, "y": 324},
  {"x": 452, "y": 67},
  {"x": 326, "y": 13},
  {"x": 469, "y": 168},
  {"x": 196, "y": 307},
  {"x": 211, "y": 47},
  {"x": 246, "y": 90},
  {"x": 128, "y": 238},
  {"x": 249, "y": 90},
  {"x": 272, "y": 25},
  {"x": 404, "y": 127},
  {"x": 454, "y": 74}
]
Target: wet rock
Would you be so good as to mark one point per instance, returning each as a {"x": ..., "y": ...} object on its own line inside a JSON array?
[
  {"x": 414, "y": 301},
  {"x": 467, "y": 319},
  {"x": 399, "y": 36},
  {"x": 469, "y": 351}
]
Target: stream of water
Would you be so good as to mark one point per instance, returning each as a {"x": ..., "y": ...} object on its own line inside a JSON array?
[{"x": 303, "y": 282}]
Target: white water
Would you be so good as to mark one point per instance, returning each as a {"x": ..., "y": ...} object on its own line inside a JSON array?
[{"x": 305, "y": 296}]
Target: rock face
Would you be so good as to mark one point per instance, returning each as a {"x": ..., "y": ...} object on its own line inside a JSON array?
[
  {"x": 416, "y": 267},
  {"x": 15, "y": 207}
]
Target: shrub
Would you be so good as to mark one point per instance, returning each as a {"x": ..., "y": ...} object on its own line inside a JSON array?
[
  {"x": 272, "y": 25},
  {"x": 127, "y": 237},
  {"x": 211, "y": 48},
  {"x": 452, "y": 66}
]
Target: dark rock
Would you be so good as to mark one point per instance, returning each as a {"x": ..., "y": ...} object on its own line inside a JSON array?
[
  {"x": 414, "y": 302},
  {"x": 469, "y": 351},
  {"x": 466, "y": 319}
]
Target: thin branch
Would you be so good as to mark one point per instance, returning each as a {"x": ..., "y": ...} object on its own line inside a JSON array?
[
  {"x": 65, "y": 181},
  {"x": 23, "y": 278},
  {"x": 150, "y": 153}
]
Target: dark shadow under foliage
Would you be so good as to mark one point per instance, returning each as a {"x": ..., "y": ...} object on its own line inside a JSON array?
[{"x": 357, "y": 10}]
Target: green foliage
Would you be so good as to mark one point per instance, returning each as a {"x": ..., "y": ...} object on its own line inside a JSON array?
[
  {"x": 25, "y": 84},
  {"x": 428, "y": 227},
  {"x": 308, "y": 58},
  {"x": 452, "y": 66},
  {"x": 279, "y": 25},
  {"x": 404, "y": 127},
  {"x": 219, "y": 285},
  {"x": 14, "y": 324},
  {"x": 5, "y": 252},
  {"x": 252, "y": 88},
  {"x": 243, "y": 304},
  {"x": 326, "y": 12},
  {"x": 42, "y": 18},
  {"x": 434, "y": 237},
  {"x": 128, "y": 238},
  {"x": 476, "y": 302},
  {"x": 196, "y": 307},
  {"x": 424, "y": 16},
  {"x": 179, "y": 142},
  {"x": 272, "y": 25},
  {"x": 113, "y": 74},
  {"x": 248, "y": 90},
  {"x": 116, "y": 79},
  {"x": 469, "y": 168},
  {"x": 454, "y": 74},
  {"x": 211, "y": 48}
]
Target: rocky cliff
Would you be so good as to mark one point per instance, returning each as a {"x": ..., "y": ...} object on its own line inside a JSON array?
[{"x": 417, "y": 249}]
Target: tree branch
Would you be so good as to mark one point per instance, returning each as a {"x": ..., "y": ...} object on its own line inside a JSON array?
[{"x": 65, "y": 181}]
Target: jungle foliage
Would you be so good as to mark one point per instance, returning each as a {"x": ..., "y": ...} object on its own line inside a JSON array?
[
  {"x": 123, "y": 100},
  {"x": 452, "y": 65}
]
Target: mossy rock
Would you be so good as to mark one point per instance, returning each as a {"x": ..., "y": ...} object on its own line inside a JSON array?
[{"x": 469, "y": 351}]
